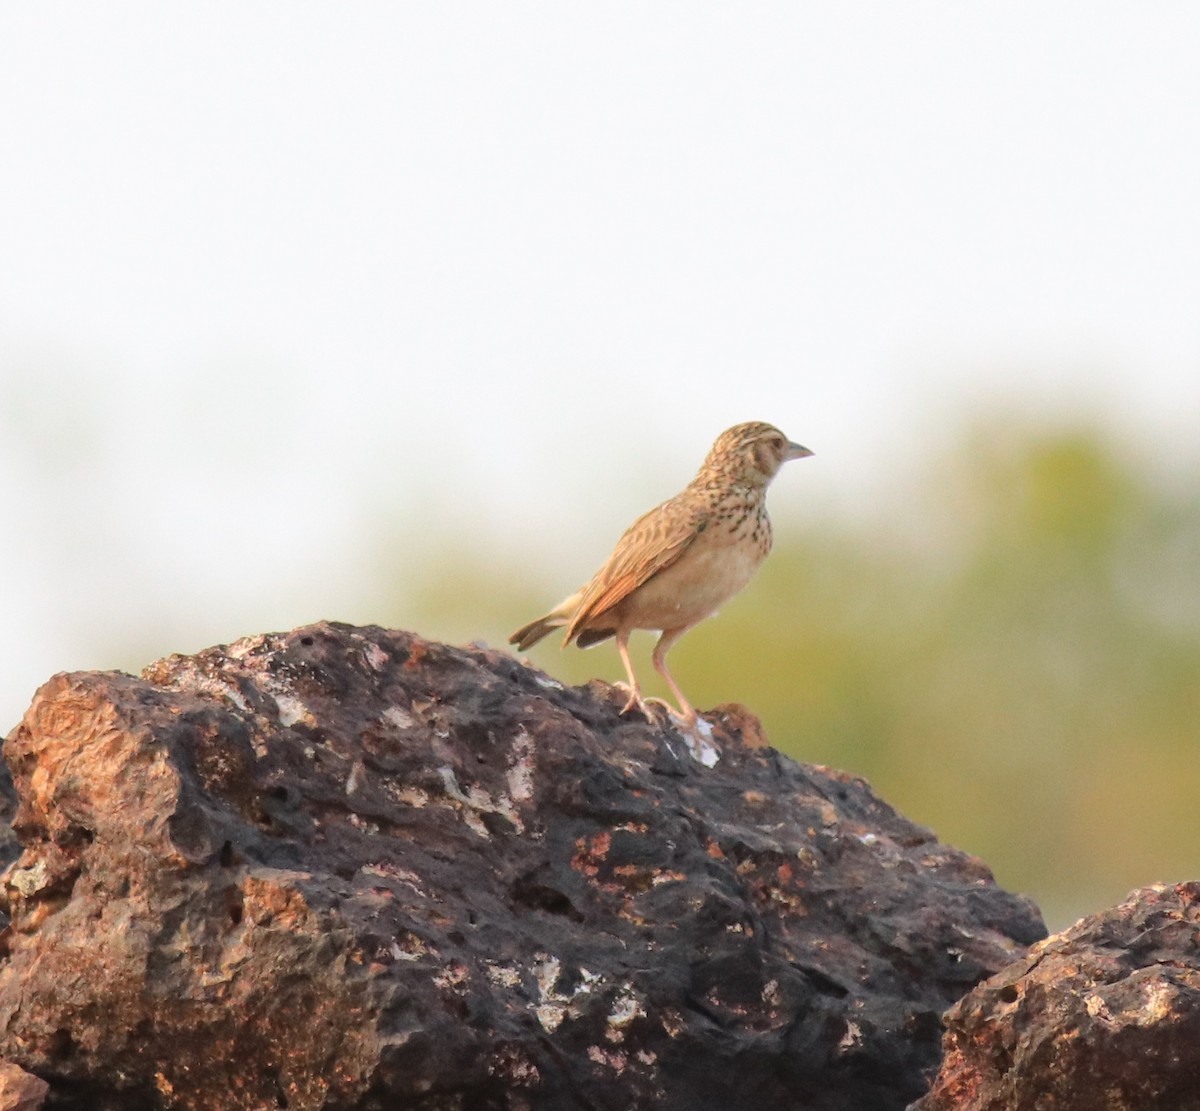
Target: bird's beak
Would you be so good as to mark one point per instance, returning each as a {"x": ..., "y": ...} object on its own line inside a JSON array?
[{"x": 795, "y": 451}]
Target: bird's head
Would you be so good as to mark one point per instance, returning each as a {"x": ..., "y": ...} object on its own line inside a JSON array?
[{"x": 752, "y": 453}]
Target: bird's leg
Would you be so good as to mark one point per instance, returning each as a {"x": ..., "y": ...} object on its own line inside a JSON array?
[
  {"x": 636, "y": 698},
  {"x": 659, "y": 659},
  {"x": 635, "y": 692}
]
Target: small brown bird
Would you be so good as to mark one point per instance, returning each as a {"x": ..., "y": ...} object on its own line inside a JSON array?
[{"x": 682, "y": 561}]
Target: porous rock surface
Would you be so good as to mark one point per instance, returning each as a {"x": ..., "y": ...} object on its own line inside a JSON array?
[
  {"x": 349, "y": 868},
  {"x": 1104, "y": 1016},
  {"x": 19, "y": 1090}
]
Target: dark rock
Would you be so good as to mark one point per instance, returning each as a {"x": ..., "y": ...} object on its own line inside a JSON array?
[
  {"x": 349, "y": 868},
  {"x": 1104, "y": 1016},
  {"x": 10, "y": 847}
]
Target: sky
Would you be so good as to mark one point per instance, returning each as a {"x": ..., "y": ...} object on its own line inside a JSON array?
[{"x": 282, "y": 282}]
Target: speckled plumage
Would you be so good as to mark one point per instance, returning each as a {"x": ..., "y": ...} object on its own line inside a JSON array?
[{"x": 682, "y": 561}]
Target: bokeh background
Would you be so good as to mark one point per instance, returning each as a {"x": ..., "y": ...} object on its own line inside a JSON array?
[{"x": 400, "y": 313}]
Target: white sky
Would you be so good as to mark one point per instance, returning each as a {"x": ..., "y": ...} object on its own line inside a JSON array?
[{"x": 267, "y": 269}]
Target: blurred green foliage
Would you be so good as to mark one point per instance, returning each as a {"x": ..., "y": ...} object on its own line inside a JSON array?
[{"x": 1013, "y": 660}]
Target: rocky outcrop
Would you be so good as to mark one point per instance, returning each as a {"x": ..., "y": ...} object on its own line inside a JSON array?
[
  {"x": 19, "y": 1090},
  {"x": 1102, "y": 1017},
  {"x": 349, "y": 868}
]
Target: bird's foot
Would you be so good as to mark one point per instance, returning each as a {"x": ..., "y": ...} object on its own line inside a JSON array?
[
  {"x": 648, "y": 706},
  {"x": 651, "y": 707},
  {"x": 695, "y": 731},
  {"x": 635, "y": 697}
]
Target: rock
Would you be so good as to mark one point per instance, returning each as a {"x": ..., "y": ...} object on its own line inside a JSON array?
[
  {"x": 350, "y": 868},
  {"x": 10, "y": 848},
  {"x": 19, "y": 1091},
  {"x": 1104, "y": 1016}
]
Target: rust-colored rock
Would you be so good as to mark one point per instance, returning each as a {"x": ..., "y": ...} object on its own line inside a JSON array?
[
  {"x": 1104, "y": 1016},
  {"x": 349, "y": 868},
  {"x": 20, "y": 1091}
]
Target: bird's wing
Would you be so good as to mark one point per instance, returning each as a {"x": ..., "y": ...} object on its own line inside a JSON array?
[{"x": 651, "y": 544}]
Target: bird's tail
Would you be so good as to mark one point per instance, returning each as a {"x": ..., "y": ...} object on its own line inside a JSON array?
[{"x": 528, "y": 635}]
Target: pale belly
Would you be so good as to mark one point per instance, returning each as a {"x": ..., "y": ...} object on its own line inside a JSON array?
[{"x": 710, "y": 573}]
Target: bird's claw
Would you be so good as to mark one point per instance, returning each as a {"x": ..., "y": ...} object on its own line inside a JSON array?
[
  {"x": 635, "y": 697},
  {"x": 657, "y": 710},
  {"x": 637, "y": 701},
  {"x": 695, "y": 731},
  {"x": 650, "y": 706}
]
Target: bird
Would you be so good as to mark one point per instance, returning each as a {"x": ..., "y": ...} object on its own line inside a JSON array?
[{"x": 679, "y": 563}]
